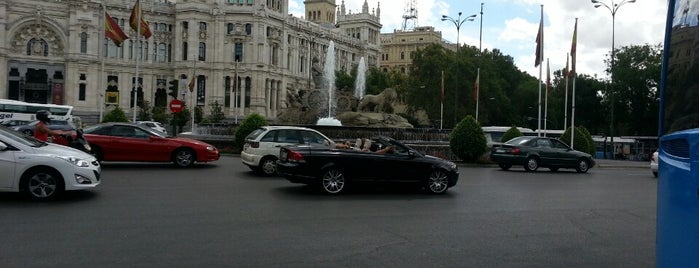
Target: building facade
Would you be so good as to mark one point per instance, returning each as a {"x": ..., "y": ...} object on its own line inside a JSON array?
[
  {"x": 245, "y": 54},
  {"x": 398, "y": 47}
]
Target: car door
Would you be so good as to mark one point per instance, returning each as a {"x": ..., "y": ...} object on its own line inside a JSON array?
[
  {"x": 564, "y": 153},
  {"x": 547, "y": 154},
  {"x": 400, "y": 166},
  {"x": 7, "y": 168},
  {"x": 138, "y": 146}
]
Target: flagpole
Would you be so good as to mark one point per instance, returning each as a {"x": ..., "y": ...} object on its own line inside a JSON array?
[
  {"x": 235, "y": 92},
  {"x": 100, "y": 54},
  {"x": 441, "y": 105},
  {"x": 546, "y": 99},
  {"x": 191, "y": 95},
  {"x": 138, "y": 47},
  {"x": 573, "y": 53},
  {"x": 541, "y": 54},
  {"x": 565, "y": 107},
  {"x": 478, "y": 89}
]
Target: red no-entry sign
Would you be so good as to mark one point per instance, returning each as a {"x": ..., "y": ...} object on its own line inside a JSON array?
[{"x": 176, "y": 106}]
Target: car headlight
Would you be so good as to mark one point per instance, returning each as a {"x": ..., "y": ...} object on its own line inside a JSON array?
[
  {"x": 452, "y": 165},
  {"x": 75, "y": 161},
  {"x": 210, "y": 148}
]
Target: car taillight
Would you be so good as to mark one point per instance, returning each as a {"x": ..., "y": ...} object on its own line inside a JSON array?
[
  {"x": 515, "y": 151},
  {"x": 254, "y": 144},
  {"x": 293, "y": 156}
]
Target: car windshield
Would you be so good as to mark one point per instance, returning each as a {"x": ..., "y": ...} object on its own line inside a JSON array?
[{"x": 20, "y": 138}]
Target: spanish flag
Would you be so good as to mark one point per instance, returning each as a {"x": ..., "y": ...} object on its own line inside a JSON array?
[
  {"x": 191, "y": 83},
  {"x": 113, "y": 31},
  {"x": 137, "y": 14}
]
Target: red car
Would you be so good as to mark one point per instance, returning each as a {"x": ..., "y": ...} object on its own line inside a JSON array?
[{"x": 136, "y": 143}]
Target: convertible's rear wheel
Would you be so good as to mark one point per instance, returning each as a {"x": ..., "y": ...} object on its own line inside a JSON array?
[
  {"x": 43, "y": 184},
  {"x": 332, "y": 181},
  {"x": 184, "y": 158},
  {"x": 268, "y": 166},
  {"x": 582, "y": 166},
  {"x": 504, "y": 166},
  {"x": 532, "y": 164},
  {"x": 438, "y": 182}
]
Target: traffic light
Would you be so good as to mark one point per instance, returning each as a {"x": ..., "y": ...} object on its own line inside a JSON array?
[{"x": 173, "y": 88}]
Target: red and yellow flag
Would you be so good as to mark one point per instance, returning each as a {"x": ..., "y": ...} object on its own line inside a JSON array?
[
  {"x": 113, "y": 31},
  {"x": 192, "y": 83},
  {"x": 136, "y": 13}
]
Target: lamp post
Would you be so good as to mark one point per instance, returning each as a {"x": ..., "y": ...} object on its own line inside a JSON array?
[
  {"x": 457, "y": 22},
  {"x": 480, "y": 51},
  {"x": 613, "y": 8}
]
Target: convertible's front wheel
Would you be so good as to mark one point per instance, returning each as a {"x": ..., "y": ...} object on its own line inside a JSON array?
[
  {"x": 437, "y": 182},
  {"x": 332, "y": 181}
]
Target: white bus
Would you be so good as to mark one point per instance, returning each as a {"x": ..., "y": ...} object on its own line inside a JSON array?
[
  {"x": 494, "y": 133},
  {"x": 26, "y": 111}
]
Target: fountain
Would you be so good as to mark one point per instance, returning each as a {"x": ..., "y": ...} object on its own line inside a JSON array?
[
  {"x": 329, "y": 83},
  {"x": 360, "y": 83}
]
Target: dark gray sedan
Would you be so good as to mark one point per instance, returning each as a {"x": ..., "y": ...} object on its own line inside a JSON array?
[{"x": 535, "y": 152}]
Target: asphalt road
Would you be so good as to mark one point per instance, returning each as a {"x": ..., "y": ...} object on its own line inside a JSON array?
[{"x": 222, "y": 215}]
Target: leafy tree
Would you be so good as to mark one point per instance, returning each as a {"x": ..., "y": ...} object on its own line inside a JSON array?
[
  {"x": 247, "y": 126},
  {"x": 635, "y": 103},
  {"x": 115, "y": 115},
  {"x": 160, "y": 114},
  {"x": 180, "y": 119},
  {"x": 198, "y": 115},
  {"x": 511, "y": 133},
  {"x": 467, "y": 140},
  {"x": 144, "y": 111},
  {"x": 583, "y": 140},
  {"x": 344, "y": 80},
  {"x": 217, "y": 114}
]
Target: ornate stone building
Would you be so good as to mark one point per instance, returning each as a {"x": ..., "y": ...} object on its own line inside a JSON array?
[
  {"x": 50, "y": 52},
  {"x": 397, "y": 48}
]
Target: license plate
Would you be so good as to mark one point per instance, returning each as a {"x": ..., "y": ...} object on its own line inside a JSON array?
[{"x": 500, "y": 150}]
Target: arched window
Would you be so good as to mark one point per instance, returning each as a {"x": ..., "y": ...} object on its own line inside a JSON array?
[
  {"x": 83, "y": 42},
  {"x": 37, "y": 47}
]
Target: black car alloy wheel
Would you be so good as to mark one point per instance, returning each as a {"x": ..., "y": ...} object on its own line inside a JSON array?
[
  {"x": 332, "y": 181},
  {"x": 438, "y": 182}
]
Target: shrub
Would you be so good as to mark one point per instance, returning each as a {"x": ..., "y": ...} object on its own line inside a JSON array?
[
  {"x": 217, "y": 114},
  {"x": 160, "y": 114},
  {"x": 144, "y": 112},
  {"x": 180, "y": 119},
  {"x": 511, "y": 133},
  {"x": 467, "y": 140},
  {"x": 115, "y": 115},
  {"x": 582, "y": 142},
  {"x": 247, "y": 126}
]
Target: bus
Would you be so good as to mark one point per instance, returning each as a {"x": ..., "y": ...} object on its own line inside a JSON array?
[
  {"x": 493, "y": 134},
  {"x": 26, "y": 111}
]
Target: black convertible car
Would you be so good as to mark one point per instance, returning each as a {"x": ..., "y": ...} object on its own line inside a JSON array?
[{"x": 388, "y": 161}]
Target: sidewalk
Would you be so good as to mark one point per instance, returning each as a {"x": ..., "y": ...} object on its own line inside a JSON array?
[{"x": 607, "y": 163}]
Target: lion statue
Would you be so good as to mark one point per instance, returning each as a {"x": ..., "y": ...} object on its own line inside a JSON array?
[{"x": 378, "y": 103}]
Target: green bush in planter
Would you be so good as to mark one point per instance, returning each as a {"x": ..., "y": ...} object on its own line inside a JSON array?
[
  {"x": 467, "y": 140},
  {"x": 511, "y": 133},
  {"x": 247, "y": 126}
]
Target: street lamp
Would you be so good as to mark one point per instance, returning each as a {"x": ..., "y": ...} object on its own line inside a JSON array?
[
  {"x": 613, "y": 8},
  {"x": 457, "y": 22}
]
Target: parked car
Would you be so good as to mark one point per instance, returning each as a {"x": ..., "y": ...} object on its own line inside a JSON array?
[
  {"x": 14, "y": 123},
  {"x": 154, "y": 125},
  {"x": 654, "y": 163},
  {"x": 43, "y": 170},
  {"x": 137, "y": 143},
  {"x": 535, "y": 152},
  {"x": 54, "y": 124},
  {"x": 334, "y": 169},
  {"x": 261, "y": 148}
]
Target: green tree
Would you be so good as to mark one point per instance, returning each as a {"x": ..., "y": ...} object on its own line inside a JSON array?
[
  {"x": 160, "y": 114},
  {"x": 144, "y": 111},
  {"x": 467, "y": 140},
  {"x": 635, "y": 102},
  {"x": 344, "y": 80},
  {"x": 216, "y": 112},
  {"x": 511, "y": 133},
  {"x": 115, "y": 115},
  {"x": 247, "y": 126},
  {"x": 180, "y": 119},
  {"x": 582, "y": 142}
]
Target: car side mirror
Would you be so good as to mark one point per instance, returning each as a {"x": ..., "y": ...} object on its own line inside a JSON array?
[{"x": 3, "y": 146}]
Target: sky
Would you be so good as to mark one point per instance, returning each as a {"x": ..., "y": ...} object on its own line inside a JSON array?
[{"x": 511, "y": 26}]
